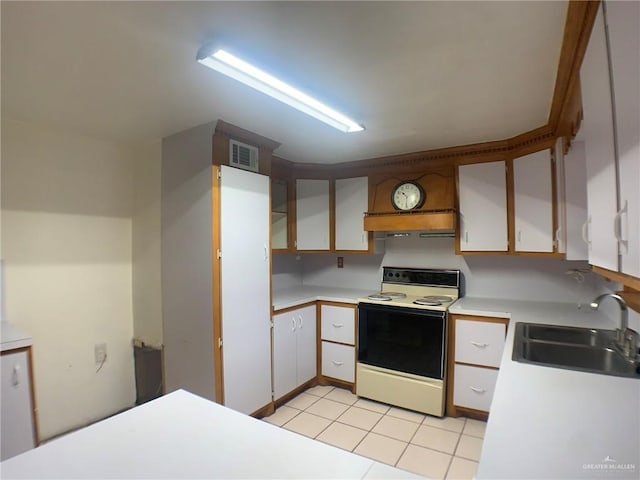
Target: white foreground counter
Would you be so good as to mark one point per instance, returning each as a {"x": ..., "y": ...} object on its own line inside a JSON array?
[{"x": 182, "y": 435}]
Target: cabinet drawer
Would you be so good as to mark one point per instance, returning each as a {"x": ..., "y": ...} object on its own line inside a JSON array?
[
  {"x": 480, "y": 343},
  {"x": 338, "y": 324},
  {"x": 473, "y": 387},
  {"x": 339, "y": 361}
]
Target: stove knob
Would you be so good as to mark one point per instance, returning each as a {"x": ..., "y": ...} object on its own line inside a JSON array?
[{"x": 397, "y": 275}]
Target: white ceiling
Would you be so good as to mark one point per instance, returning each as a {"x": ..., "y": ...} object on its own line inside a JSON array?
[{"x": 418, "y": 75}]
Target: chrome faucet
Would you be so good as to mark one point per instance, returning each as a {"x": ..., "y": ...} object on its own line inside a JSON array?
[{"x": 627, "y": 339}]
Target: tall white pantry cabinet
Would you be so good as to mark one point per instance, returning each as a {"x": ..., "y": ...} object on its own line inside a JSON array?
[{"x": 245, "y": 289}]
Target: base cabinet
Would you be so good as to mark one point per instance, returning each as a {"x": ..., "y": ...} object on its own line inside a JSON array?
[
  {"x": 475, "y": 350},
  {"x": 18, "y": 426},
  {"x": 338, "y": 327},
  {"x": 294, "y": 349}
]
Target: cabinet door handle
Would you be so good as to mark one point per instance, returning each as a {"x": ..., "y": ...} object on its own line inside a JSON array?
[
  {"x": 466, "y": 236},
  {"x": 585, "y": 239},
  {"x": 336, "y": 363},
  {"x": 15, "y": 376},
  {"x": 519, "y": 236},
  {"x": 300, "y": 322},
  {"x": 293, "y": 324},
  {"x": 617, "y": 224},
  {"x": 266, "y": 253},
  {"x": 479, "y": 345},
  {"x": 478, "y": 390},
  {"x": 338, "y": 325}
]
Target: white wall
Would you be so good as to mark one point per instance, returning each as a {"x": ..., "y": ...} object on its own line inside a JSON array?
[
  {"x": 187, "y": 301},
  {"x": 66, "y": 241},
  {"x": 286, "y": 271},
  {"x": 497, "y": 276},
  {"x": 147, "y": 283}
]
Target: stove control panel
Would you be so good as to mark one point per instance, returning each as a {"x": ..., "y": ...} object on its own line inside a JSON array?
[{"x": 422, "y": 276}]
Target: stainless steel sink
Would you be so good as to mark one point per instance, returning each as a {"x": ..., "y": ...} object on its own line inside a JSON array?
[
  {"x": 573, "y": 348},
  {"x": 572, "y": 335}
]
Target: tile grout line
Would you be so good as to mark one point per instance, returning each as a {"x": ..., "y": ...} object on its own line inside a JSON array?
[
  {"x": 370, "y": 430},
  {"x": 455, "y": 449}
]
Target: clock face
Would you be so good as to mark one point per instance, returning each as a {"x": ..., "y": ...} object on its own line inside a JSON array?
[{"x": 407, "y": 196}]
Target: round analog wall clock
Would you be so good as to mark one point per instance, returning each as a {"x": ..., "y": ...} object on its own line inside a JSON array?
[{"x": 407, "y": 195}]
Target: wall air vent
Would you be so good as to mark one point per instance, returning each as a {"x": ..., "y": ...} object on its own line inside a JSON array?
[{"x": 243, "y": 156}]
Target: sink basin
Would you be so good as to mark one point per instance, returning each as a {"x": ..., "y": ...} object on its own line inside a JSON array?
[
  {"x": 572, "y": 335},
  {"x": 573, "y": 348}
]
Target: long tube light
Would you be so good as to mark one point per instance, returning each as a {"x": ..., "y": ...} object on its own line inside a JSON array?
[{"x": 232, "y": 66}]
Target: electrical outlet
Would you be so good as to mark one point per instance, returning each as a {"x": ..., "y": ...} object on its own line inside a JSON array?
[{"x": 100, "y": 353}]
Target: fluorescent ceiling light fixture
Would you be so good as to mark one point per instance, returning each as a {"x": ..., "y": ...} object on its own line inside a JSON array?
[{"x": 244, "y": 72}]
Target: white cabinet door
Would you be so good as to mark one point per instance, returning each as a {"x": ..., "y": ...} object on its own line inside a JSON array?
[
  {"x": 245, "y": 273},
  {"x": 312, "y": 214},
  {"x": 533, "y": 202},
  {"x": 483, "y": 207},
  {"x": 352, "y": 201},
  {"x": 338, "y": 324},
  {"x": 284, "y": 353},
  {"x": 306, "y": 344},
  {"x": 597, "y": 129},
  {"x": 17, "y": 411},
  {"x": 294, "y": 349},
  {"x": 623, "y": 20},
  {"x": 575, "y": 202}
]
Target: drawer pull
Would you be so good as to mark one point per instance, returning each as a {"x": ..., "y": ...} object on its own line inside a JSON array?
[
  {"x": 338, "y": 325},
  {"x": 479, "y": 345},
  {"x": 336, "y": 363},
  {"x": 15, "y": 377},
  {"x": 478, "y": 390}
]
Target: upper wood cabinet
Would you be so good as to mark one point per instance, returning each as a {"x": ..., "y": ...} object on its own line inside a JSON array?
[
  {"x": 611, "y": 131},
  {"x": 533, "y": 202},
  {"x": 572, "y": 199},
  {"x": 280, "y": 214},
  {"x": 312, "y": 214},
  {"x": 623, "y": 20},
  {"x": 352, "y": 200},
  {"x": 597, "y": 128},
  {"x": 482, "y": 200},
  {"x": 508, "y": 206}
]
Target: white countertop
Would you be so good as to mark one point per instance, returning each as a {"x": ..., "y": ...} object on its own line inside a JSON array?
[
  {"x": 181, "y": 435},
  {"x": 551, "y": 423},
  {"x": 292, "y": 297},
  {"x": 12, "y": 337}
]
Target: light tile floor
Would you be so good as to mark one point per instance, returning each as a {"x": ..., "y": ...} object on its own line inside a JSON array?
[{"x": 438, "y": 448}]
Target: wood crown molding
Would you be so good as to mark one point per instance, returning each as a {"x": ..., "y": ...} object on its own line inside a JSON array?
[
  {"x": 577, "y": 30},
  {"x": 564, "y": 116}
]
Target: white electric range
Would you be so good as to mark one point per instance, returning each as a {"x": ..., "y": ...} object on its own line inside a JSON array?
[{"x": 402, "y": 332}]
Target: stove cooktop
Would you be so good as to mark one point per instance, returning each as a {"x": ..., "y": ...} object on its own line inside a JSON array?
[{"x": 417, "y": 288}]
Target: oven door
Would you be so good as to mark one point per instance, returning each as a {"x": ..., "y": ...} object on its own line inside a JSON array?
[{"x": 409, "y": 340}]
